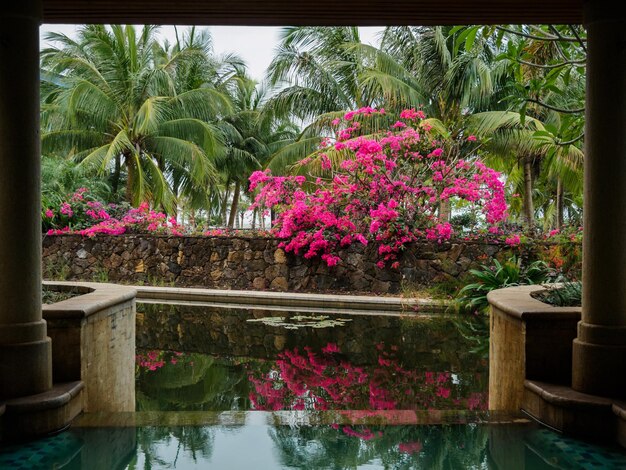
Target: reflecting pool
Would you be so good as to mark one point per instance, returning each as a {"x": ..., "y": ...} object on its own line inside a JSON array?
[{"x": 249, "y": 359}]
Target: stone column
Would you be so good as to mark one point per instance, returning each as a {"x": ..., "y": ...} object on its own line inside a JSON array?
[
  {"x": 599, "y": 355},
  {"x": 25, "y": 364}
]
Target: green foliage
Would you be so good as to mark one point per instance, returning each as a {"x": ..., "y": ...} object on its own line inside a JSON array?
[
  {"x": 567, "y": 294},
  {"x": 465, "y": 221},
  {"x": 116, "y": 101},
  {"x": 51, "y": 296},
  {"x": 60, "y": 177},
  {"x": 476, "y": 333},
  {"x": 100, "y": 274},
  {"x": 183, "y": 129},
  {"x": 473, "y": 297},
  {"x": 59, "y": 270}
]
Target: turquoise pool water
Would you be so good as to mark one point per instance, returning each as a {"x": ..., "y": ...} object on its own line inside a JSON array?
[
  {"x": 261, "y": 446},
  {"x": 258, "y": 389}
]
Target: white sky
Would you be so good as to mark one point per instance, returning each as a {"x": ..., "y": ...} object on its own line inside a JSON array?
[{"x": 255, "y": 45}]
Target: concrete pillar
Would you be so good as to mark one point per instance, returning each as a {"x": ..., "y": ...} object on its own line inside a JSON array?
[
  {"x": 599, "y": 352},
  {"x": 25, "y": 359}
]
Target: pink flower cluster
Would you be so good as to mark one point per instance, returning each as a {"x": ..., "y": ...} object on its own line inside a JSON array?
[
  {"x": 327, "y": 381},
  {"x": 154, "y": 360},
  {"x": 89, "y": 218},
  {"x": 389, "y": 192},
  {"x": 513, "y": 240}
]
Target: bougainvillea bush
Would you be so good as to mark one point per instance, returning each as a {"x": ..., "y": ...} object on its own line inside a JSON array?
[
  {"x": 388, "y": 189},
  {"x": 84, "y": 215}
]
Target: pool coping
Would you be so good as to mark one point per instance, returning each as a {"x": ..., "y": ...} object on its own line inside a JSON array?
[
  {"x": 517, "y": 302},
  {"x": 288, "y": 299},
  {"x": 92, "y": 298},
  {"x": 267, "y": 298}
]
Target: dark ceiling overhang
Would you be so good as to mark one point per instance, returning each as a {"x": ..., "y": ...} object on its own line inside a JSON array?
[{"x": 313, "y": 12}]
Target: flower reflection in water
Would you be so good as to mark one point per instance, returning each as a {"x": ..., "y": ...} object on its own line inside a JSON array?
[{"x": 327, "y": 380}]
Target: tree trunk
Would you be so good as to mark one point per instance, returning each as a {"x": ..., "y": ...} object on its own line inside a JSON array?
[
  {"x": 115, "y": 180},
  {"x": 233, "y": 208},
  {"x": 254, "y": 219},
  {"x": 192, "y": 218},
  {"x": 529, "y": 210},
  {"x": 130, "y": 182},
  {"x": 445, "y": 210},
  {"x": 559, "y": 204},
  {"x": 225, "y": 204}
]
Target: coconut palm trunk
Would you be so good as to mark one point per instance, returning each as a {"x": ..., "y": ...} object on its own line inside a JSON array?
[
  {"x": 224, "y": 207},
  {"x": 115, "y": 180},
  {"x": 559, "y": 204},
  {"x": 234, "y": 205},
  {"x": 130, "y": 181},
  {"x": 529, "y": 210}
]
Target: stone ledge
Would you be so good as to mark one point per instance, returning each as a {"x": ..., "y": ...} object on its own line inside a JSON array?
[
  {"x": 93, "y": 340},
  {"x": 98, "y": 297},
  {"x": 350, "y": 302},
  {"x": 561, "y": 395},
  {"x": 42, "y": 414},
  {"x": 57, "y": 396},
  {"x": 529, "y": 340},
  {"x": 518, "y": 303},
  {"x": 571, "y": 412}
]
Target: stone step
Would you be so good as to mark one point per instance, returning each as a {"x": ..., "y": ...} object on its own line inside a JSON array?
[
  {"x": 43, "y": 413},
  {"x": 569, "y": 411}
]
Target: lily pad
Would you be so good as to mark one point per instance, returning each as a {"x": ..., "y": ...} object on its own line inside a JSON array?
[{"x": 302, "y": 321}]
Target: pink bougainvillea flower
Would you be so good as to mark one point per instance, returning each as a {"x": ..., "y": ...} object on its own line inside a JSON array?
[
  {"x": 330, "y": 348},
  {"x": 513, "y": 240},
  {"x": 410, "y": 447}
]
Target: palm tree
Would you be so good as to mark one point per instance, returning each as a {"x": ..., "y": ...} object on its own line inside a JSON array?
[
  {"x": 252, "y": 134},
  {"x": 528, "y": 150},
  {"x": 201, "y": 70},
  {"x": 315, "y": 72},
  {"x": 111, "y": 101},
  {"x": 452, "y": 74},
  {"x": 546, "y": 64},
  {"x": 458, "y": 69}
]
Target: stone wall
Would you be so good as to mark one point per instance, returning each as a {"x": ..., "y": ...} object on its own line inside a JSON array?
[{"x": 253, "y": 263}]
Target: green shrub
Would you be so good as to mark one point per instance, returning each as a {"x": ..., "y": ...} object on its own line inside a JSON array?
[
  {"x": 567, "y": 294},
  {"x": 473, "y": 297}
]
